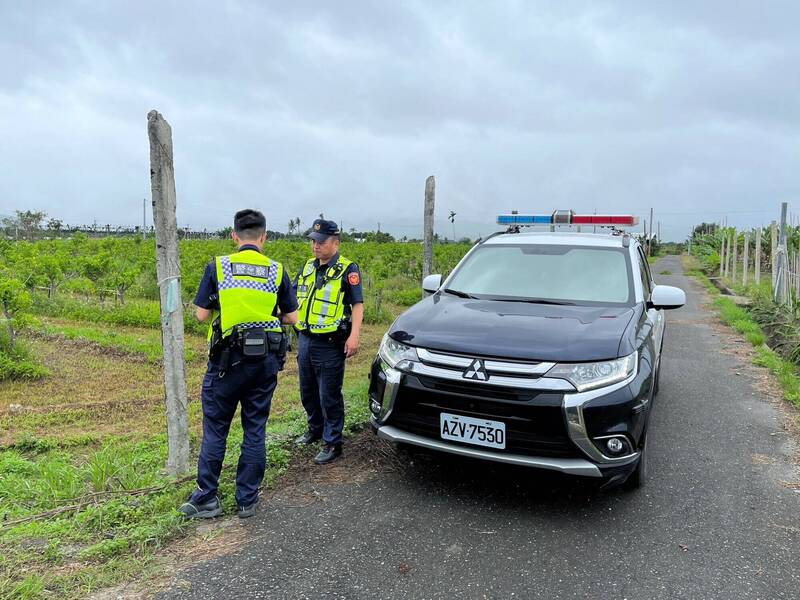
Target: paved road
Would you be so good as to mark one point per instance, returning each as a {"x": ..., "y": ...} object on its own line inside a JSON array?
[{"x": 713, "y": 522}]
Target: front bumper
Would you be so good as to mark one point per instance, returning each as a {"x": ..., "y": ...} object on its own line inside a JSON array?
[
  {"x": 556, "y": 429},
  {"x": 571, "y": 466}
]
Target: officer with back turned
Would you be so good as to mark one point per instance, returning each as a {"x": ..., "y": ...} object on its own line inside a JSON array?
[
  {"x": 245, "y": 296},
  {"x": 329, "y": 324}
]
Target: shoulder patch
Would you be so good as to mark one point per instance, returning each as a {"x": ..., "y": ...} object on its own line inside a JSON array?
[{"x": 354, "y": 278}]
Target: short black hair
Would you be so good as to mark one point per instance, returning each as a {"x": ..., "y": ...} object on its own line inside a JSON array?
[{"x": 249, "y": 223}]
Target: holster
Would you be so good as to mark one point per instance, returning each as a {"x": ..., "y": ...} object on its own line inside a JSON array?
[{"x": 215, "y": 343}]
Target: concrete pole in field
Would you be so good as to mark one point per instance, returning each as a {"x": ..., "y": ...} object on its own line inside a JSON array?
[
  {"x": 746, "y": 259},
  {"x": 757, "y": 278},
  {"x": 722, "y": 258},
  {"x": 733, "y": 256},
  {"x": 781, "y": 289},
  {"x": 427, "y": 252},
  {"x": 168, "y": 269},
  {"x": 650, "y": 239},
  {"x": 773, "y": 230}
]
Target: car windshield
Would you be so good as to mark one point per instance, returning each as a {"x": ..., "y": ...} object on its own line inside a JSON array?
[{"x": 551, "y": 274}]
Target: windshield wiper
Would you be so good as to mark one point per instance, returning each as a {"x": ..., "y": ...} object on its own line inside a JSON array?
[
  {"x": 459, "y": 293},
  {"x": 535, "y": 301}
]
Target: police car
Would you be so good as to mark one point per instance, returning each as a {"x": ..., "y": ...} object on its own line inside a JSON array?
[{"x": 541, "y": 348}]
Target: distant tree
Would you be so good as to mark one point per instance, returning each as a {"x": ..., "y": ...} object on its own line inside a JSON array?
[
  {"x": 704, "y": 229},
  {"x": 57, "y": 224},
  {"x": 28, "y": 222}
]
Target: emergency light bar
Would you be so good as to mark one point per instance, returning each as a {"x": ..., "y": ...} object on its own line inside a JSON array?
[{"x": 567, "y": 217}]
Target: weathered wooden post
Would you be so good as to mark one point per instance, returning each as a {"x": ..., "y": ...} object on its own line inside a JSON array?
[
  {"x": 427, "y": 250},
  {"x": 757, "y": 278},
  {"x": 168, "y": 269},
  {"x": 746, "y": 258}
]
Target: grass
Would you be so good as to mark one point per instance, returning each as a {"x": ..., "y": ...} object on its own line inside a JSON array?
[
  {"x": 134, "y": 341},
  {"x": 784, "y": 371},
  {"x": 134, "y": 313},
  {"x": 741, "y": 320},
  {"x": 92, "y": 434},
  {"x": 17, "y": 363}
]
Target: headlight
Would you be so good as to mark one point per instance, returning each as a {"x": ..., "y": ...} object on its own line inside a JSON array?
[
  {"x": 396, "y": 354},
  {"x": 587, "y": 376}
]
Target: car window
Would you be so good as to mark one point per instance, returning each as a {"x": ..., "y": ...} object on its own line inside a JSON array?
[
  {"x": 574, "y": 274},
  {"x": 644, "y": 271}
]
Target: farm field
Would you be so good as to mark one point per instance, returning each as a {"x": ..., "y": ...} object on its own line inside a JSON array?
[{"x": 83, "y": 499}]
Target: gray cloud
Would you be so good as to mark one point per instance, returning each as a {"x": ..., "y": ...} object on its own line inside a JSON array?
[{"x": 346, "y": 108}]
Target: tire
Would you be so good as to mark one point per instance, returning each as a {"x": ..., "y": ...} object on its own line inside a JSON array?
[{"x": 638, "y": 477}]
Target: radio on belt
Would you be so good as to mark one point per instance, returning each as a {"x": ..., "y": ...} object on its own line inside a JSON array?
[{"x": 567, "y": 217}]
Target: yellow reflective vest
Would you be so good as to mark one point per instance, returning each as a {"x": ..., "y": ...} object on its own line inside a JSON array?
[
  {"x": 248, "y": 285},
  {"x": 321, "y": 309}
]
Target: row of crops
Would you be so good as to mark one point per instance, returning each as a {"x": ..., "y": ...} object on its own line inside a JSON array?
[{"x": 113, "y": 280}]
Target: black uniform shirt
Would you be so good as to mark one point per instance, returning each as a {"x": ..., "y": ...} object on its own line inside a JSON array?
[{"x": 208, "y": 293}]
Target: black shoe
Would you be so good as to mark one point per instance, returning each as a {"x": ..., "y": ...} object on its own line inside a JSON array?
[
  {"x": 309, "y": 437},
  {"x": 248, "y": 511},
  {"x": 329, "y": 453},
  {"x": 207, "y": 510}
]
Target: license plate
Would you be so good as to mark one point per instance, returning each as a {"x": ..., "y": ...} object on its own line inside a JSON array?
[{"x": 472, "y": 431}]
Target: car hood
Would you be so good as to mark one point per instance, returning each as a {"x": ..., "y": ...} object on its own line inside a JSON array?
[{"x": 515, "y": 330}]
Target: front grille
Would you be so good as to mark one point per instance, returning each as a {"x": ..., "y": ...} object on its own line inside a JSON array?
[{"x": 534, "y": 424}]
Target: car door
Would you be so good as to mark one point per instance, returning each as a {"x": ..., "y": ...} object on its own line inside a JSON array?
[{"x": 654, "y": 317}]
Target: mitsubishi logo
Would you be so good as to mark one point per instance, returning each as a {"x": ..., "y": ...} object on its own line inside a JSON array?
[{"x": 476, "y": 371}]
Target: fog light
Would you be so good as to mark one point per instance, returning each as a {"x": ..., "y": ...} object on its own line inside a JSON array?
[
  {"x": 375, "y": 407},
  {"x": 614, "y": 445}
]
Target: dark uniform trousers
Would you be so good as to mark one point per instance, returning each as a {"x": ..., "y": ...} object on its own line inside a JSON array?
[
  {"x": 320, "y": 361},
  {"x": 251, "y": 383}
]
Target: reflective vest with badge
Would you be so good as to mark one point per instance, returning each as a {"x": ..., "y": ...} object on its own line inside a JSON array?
[
  {"x": 248, "y": 285},
  {"x": 321, "y": 308}
]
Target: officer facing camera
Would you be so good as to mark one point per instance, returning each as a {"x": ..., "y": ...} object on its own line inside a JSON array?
[
  {"x": 329, "y": 324},
  {"x": 245, "y": 296}
]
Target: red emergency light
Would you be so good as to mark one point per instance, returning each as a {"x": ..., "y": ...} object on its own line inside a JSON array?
[{"x": 629, "y": 220}]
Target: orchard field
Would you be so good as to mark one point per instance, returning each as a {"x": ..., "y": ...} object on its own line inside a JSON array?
[{"x": 84, "y": 502}]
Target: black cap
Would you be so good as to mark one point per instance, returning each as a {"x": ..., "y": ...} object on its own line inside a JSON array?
[{"x": 321, "y": 230}]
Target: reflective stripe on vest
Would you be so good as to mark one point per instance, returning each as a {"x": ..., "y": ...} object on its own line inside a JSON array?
[
  {"x": 321, "y": 310},
  {"x": 248, "y": 285}
]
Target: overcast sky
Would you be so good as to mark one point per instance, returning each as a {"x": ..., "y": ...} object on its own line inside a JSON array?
[{"x": 692, "y": 108}]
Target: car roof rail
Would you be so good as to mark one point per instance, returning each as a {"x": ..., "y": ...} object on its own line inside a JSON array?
[{"x": 496, "y": 233}]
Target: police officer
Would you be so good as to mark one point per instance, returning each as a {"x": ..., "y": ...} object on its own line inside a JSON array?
[
  {"x": 246, "y": 296},
  {"x": 329, "y": 324}
]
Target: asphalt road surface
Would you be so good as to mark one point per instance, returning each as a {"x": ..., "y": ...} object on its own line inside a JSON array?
[{"x": 715, "y": 520}]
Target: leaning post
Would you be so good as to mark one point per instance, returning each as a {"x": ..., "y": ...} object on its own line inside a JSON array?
[{"x": 168, "y": 269}]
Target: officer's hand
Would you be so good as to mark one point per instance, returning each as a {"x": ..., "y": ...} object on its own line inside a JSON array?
[{"x": 351, "y": 346}]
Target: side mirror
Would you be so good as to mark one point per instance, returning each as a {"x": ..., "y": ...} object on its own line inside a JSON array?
[
  {"x": 432, "y": 283},
  {"x": 666, "y": 297}
]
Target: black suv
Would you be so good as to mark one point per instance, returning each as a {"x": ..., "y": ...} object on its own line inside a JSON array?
[{"x": 540, "y": 349}]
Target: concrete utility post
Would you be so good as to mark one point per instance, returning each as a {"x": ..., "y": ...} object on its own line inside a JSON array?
[
  {"x": 781, "y": 291},
  {"x": 427, "y": 252},
  {"x": 168, "y": 268},
  {"x": 746, "y": 259},
  {"x": 758, "y": 256}
]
